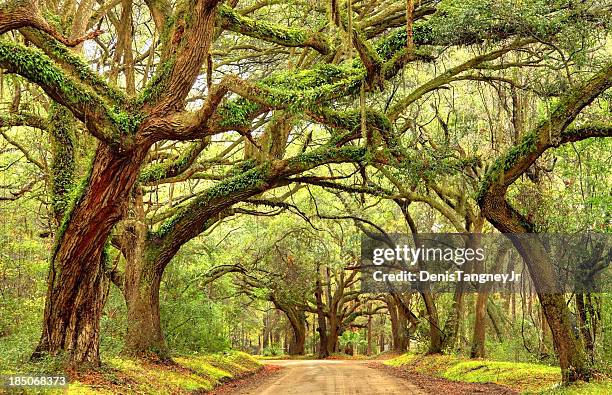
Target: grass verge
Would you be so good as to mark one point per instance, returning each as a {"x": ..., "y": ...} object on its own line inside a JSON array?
[
  {"x": 185, "y": 375},
  {"x": 527, "y": 378}
]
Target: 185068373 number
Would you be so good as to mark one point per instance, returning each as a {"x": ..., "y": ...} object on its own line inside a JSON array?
[{"x": 34, "y": 380}]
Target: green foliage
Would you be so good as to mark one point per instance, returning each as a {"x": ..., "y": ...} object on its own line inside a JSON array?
[
  {"x": 236, "y": 113},
  {"x": 272, "y": 351},
  {"x": 352, "y": 339},
  {"x": 22, "y": 286},
  {"x": 191, "y": 321},
  {"x": 81, "y": 69}
]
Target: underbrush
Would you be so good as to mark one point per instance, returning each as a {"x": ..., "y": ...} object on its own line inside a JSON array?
[{"x": 523, "y": 377}]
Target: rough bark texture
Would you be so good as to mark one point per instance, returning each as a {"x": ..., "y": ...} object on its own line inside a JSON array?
[
  {"x": 144, "y": 334},
  {"x": 478, "y": 339},
  {"x": 77, "y": 285},
  {"x": 298, "y": 338},
  {"x": 399, "y": 326}
]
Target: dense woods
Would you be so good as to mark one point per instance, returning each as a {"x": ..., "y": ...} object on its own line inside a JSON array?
[{"x": 196, "y": 175}]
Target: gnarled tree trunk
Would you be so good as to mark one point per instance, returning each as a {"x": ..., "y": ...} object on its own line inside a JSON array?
[{"x": 77, "y": 285}]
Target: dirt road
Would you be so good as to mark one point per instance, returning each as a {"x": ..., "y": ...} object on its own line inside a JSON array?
[{"x": 329, "y": 377}]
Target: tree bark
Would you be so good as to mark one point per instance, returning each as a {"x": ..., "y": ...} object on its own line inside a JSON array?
[
  {"x": 478, "y": 340},
  {"x": 322, "y": 329},
  {"x": 77, "y": 284},
  {"x": 297, "y": 320},
  {"x": 435, "y": 333},
  {"x": 144, "y": 333},
  {"x": 140, "y": 285},
  {"x": 399, "y": 330},
  {"x": 585, "y": 328}
]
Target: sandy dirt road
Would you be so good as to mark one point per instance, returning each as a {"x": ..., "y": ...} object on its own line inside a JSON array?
[{"x": 329, "y": 377}]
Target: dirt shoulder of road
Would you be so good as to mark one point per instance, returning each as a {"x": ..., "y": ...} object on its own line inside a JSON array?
[
  {"x": 440, "y": 386},
  {"x": 266, "y": 373}
]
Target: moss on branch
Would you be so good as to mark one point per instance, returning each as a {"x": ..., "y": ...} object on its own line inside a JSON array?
[
  {"x": 110, "y": 123},
  {"x": 276, "y": 33},
  {"x": 159, "y": 171}
]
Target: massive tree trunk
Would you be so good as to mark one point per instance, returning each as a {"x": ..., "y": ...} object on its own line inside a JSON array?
[
  {"x": 435, "y": 332},
  {"x": 297, "y": 320},
  {"x": 140, "y": 285},
  {"x": 585, "y": 327},
  {"x": 77, "y": 285},
  {"x": 480, "y": 323},
  {"x": 451, "y": 326},
  {"x": 298, "y": 338},
  {"x": 334, "y": 335},
  {"x": 144, "y": 334}
]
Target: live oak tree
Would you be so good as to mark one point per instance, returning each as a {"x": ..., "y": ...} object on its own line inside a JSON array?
[{"x": 550, "y": 133}]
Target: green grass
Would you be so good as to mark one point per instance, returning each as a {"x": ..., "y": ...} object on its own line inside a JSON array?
[
  {"x": 521, "y": 376},
  {"x": 595, "y": 388},
  {"x": 189, "y": 374},
  {"x": 524, "y": 377}
]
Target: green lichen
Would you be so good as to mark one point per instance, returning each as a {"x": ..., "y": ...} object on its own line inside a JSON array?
[
  {"x": 125, "y": 121},
  {"x": 254, "y": 178},
  {"x": 170, "y": 168},
  {"x": 156, "y": 87},
  {"x": 40, "y": 69}
]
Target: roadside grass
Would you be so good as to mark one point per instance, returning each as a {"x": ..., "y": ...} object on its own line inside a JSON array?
[
  {"x": 593, "y": 388},
  {"x": 529, "y": 378},
  {"x": 188, "y": 374}
]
